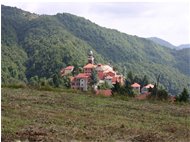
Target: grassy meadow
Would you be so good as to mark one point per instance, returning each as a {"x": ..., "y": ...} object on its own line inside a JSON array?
[{"x": 65, "y": 115}]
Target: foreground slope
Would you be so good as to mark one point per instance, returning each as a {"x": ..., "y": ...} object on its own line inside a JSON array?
[
  {"x": 28, "y": 114},
  {"x": 48, "y": 43}
]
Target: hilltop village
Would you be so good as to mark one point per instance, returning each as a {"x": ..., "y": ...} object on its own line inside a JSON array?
[{"x": 105, "y": 74}]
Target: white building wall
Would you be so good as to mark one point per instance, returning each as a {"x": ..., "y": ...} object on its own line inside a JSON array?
[{"x": 84, "y": 84}]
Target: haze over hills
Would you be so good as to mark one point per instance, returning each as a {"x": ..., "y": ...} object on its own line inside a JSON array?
[
  {"x": 183, "y": 46},
  {"x": 40, "y": 45},
  {"x": 167, "y": 44}
]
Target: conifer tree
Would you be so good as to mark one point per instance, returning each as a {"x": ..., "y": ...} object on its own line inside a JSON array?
[
  {"x": 94, "y": 77},
  {"x": 184, "y": 96}
]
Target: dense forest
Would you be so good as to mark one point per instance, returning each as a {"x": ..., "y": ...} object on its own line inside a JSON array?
[{"x": 38, "y": 46}]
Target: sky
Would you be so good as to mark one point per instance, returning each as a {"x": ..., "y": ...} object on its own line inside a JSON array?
[{"x": 167, "y": 20}]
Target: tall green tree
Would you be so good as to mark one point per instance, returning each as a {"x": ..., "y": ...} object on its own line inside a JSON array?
[
  {"x": 144, "y": 81},
  {"x": 184, "y": 96},
  {"x": 130, "y": 77},
  {"x": 94, "y": 77},
  {"x": 129, "y": 89},
  {"x": 56, "y": 80}
]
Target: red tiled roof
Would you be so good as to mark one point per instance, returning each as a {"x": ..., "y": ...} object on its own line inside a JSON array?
[
  {"x": 135, "y": 85},
  {"x": 108, "y": 77},
  {"x": 89, "y": 66},
  {"x": 111, "y": 73},
  {"x": 149, "y": 86},
  {"x": 82, "y": 75},
  {"x": 69, "y": 68}
]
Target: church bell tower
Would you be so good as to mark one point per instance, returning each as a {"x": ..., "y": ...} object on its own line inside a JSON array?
[{"x": 90, "y": 57}]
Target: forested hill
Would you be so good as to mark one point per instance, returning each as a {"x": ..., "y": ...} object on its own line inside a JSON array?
[{"x": 40, "y": 45}]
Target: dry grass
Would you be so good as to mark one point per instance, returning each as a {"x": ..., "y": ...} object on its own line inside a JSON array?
[{"x": 32, "y": 115}]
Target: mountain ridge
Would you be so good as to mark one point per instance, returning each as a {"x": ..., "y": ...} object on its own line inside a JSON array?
[
  {"x": 51, "y": 42},
  {"x": 168, "y": 44},
  {"x": 183, "y": 46}
]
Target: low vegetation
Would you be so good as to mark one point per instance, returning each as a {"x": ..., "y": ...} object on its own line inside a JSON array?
[{"x": 66, "y": 115}]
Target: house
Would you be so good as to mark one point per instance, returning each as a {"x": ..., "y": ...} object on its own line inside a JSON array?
[
  {"x": 88, "y": 68},
  {"x": 136, "y": 88},
  {"x": 101, "y": 67},
  {"x": 67, "y": 70},
  {"x": 146, "y": 88},
  {"x": 80, "y": 81},
  {"x": 108, "y": 79}
]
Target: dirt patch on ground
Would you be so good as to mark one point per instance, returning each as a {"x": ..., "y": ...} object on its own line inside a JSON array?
[
  {"x": 34, "y": 133},
  {"x": 147, "y": 137}
]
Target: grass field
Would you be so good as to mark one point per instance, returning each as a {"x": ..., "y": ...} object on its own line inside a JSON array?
[{"x": 33, "y": 115}]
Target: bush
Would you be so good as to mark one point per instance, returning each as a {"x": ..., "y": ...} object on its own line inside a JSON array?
[
  {"x": 162, "y": 94},
  {"x": 159, "y": 94}
]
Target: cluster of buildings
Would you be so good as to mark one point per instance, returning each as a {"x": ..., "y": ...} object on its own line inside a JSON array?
[{"x": 105, "y": 74}]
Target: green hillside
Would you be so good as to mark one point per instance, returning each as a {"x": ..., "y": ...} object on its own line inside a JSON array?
[
  {"x": 48, "y": 43},
  {"x": 32, "y": 115},
  {"x": 162, "y": 42}
]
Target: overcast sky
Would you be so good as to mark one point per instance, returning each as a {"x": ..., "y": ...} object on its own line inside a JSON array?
[{"x": 169, "y": 21}]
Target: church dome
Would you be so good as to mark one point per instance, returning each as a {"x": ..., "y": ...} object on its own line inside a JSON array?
[{"x": 91, "y": 53}]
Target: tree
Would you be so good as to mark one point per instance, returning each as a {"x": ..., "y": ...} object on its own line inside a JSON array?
[
  {"x": 56, "y": 80},
  {"x": 137, "y": 79},
  {"x": 184, "y": 96},
  {"x": 105, "y": 85},
  {"x": 94, "y": 77},
  {"x": 162, "y": 94},
  {"x": 66, "y": 81},
  {"x": 157, "y": 84},
  {"x": 121, "y": 90},
  {"x": 144, "y": 81},
  {"x": 116, "y": 87},
  {"x": 158, "y": 94},
  {"x": 76, "y": 70},
  {"x": 129, "y": 89},
  {"x": 130, "y": 76},
  {"x": 154, "y": 90}
]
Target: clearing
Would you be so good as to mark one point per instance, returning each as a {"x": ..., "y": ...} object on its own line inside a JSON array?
[{"x": 33, "y": 115}]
